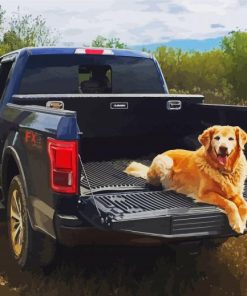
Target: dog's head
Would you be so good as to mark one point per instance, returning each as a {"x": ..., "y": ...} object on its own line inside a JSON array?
[{"x": 223, "y": 143}]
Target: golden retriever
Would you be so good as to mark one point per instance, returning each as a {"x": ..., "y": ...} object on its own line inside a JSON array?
[{"x": 213, "y": 174}]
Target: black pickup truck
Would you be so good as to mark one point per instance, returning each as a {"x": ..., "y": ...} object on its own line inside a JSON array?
[{"x": 71, "y": 121}]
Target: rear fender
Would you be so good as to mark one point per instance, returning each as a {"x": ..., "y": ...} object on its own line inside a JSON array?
[
  {"x": 10, "y": 153},
  {"x": 26, "y": 143}
]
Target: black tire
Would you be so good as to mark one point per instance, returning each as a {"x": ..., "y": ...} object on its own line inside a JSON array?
[
  {"x": 31, "y": 249},
  {"x": 2, "y": 213}
]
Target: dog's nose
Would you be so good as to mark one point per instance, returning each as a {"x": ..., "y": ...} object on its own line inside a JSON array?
[{"x": 223, "y": 150}]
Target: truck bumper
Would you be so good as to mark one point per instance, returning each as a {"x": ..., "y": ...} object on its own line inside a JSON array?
[{"x": 71, "y": 235}]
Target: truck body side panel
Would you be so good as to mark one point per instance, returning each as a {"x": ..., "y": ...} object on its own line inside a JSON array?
[{"x": 24, "y": 137}]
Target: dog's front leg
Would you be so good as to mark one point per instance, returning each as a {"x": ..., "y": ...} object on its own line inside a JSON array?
[
  {"x": 228, "y": 206},
  {"x": 241, "y": 203}
]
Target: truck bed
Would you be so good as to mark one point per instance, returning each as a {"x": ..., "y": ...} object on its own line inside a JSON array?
[
  {"x": 109, "y": 175},
  {"x": 128, "y": 203}
]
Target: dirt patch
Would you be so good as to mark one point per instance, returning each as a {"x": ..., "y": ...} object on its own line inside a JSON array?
[{"x": 132, "y": 271}]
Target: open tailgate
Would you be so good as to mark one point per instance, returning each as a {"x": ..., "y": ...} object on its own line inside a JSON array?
[{"x": 157, "y": 213}]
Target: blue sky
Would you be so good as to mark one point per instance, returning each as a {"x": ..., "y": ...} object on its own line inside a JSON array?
[{"x": 137, "y": 21}]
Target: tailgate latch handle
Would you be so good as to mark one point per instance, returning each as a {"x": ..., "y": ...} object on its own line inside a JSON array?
[{"x": 174, "y": 105}]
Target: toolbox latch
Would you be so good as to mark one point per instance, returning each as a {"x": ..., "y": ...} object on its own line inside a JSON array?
[{"x": 174, "y": 105}]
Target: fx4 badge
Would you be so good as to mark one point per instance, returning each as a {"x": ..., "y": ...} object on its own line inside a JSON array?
[{"x": 33, "y": 139}]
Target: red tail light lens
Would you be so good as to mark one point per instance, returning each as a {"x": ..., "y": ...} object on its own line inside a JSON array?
[{"x": 64, "y": 165}]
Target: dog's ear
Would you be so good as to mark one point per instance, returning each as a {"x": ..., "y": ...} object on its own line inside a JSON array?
[
  {"x": 241, "y": 137},
  {"x": 205, "y": 137}
]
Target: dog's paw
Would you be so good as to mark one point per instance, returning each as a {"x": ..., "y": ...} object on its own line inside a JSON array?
[
  {"x": 243, "y": 213},
  {"x": 239, "y": 226}
]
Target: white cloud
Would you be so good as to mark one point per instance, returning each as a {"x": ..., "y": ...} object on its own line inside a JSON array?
[{"x": 136, "y": 21}]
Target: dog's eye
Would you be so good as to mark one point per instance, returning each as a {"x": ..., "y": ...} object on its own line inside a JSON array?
[
  {"x": 231, "y": 139},
  {"x": 217, "y": 138}
]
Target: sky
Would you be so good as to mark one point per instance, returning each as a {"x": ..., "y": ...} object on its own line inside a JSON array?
[{"x": 136, "y": 21}]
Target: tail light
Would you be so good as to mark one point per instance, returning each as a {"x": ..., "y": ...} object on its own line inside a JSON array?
[{"x": 64, "y": 165}]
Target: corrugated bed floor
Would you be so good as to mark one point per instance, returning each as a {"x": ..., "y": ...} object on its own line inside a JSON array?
[{"x": 110, "y": 173}]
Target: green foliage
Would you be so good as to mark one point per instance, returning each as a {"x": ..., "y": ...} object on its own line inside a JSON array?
[
  {"x": 235, "y": 47},
  {"x": 24, "y": 31},
  {"x": 194, "y": 71},
  {"x": 102, "y": 41},
  {"x": 219, "y": 74}
]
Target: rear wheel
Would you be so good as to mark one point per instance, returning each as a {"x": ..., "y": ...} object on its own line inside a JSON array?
[
  {"x": 16, "y": 222},
  {"x": 30, "y": 249}
]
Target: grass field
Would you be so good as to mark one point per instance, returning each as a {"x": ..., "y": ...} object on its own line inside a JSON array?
[{"x": 132, "y": 271}]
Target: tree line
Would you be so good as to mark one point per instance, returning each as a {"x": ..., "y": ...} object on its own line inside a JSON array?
[{"x": 220, "y": 74}]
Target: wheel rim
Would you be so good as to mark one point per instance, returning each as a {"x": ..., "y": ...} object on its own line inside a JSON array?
[{"x": 16, "y": 223}]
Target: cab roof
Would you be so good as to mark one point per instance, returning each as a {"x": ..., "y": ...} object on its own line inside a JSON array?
[{"x": 81, "y": 50}]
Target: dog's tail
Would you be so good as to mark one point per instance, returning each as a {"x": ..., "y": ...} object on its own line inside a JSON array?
[{"x": 137, "y": 169}]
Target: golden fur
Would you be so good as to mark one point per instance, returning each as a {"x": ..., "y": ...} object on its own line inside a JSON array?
[{"x": 213, "y": 174}]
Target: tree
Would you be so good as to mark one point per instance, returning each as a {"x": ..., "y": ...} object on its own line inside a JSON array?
[
  {"x": 26, "y": 30},
  {"x": 235, "y": 47},
  {"x": 196, "y": 72},
  {"x": 186, "y": 70},
  {"x": 102, "y": 41}
]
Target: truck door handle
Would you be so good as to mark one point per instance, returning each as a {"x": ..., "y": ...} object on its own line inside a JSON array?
[{"x": 174, "y": 105}]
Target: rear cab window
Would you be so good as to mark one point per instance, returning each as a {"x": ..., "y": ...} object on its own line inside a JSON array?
[{"x": 75, "y": 74}]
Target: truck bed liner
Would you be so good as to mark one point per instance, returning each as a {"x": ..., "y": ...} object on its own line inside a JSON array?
[
  {"x": 103, "y": 174},
  {"x": 134, "y": 202}
]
